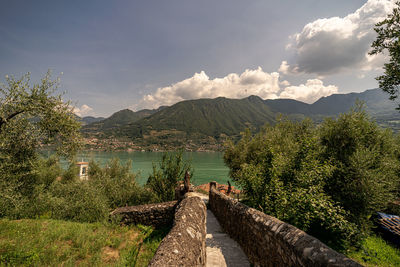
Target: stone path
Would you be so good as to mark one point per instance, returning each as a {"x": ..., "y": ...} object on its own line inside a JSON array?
[{"x": 221, "y": 249}]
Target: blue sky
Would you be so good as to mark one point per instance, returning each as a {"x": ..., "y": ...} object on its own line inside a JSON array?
[{"x": 142, "y": 54}]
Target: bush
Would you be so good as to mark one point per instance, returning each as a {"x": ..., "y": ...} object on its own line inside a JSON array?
[
  {"x": 77, "y": 201},
  {"x": 118, "y": 184},
  {"x": 164, "y": 179},
  {"x": 366, "y": 165},
  {"x": 21, "y": 188},
  {"x": 281, "y": 174},
  {"x": 69, "y": 198},
  {"x": 327, "y": 180},
  {"x": 89, "y": 201}
]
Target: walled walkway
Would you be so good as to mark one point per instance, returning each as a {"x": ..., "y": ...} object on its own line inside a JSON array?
[{"x": 221, "y": 250}]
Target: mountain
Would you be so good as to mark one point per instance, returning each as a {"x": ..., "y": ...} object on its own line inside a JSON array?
[
  {"x": 202, "y": 122},
  {"x": 89, "y": 119},
  {"x": 203, "y": 117},
  {"x": 376, "y": 103},
  {"x": 118, "y": 119}
]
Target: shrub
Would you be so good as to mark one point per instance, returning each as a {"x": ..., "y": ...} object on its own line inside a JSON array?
[
  {"x": 118, "y": 184},
  {"x": 164, "y": 179},
  {"x": 21, "y": 190},
  {"x": 366, "y": 166},
  {"x": 77, "y": 201},
  {"x": 281, "y": 174}
]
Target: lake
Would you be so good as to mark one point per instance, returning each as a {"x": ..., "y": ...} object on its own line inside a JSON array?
[{"x": 208, "y": 166}]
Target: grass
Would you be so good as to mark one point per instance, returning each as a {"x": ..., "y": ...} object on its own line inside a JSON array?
[
  {"x": 375, "y": 251},
  {"x": 44, "y": 242},
  {"x": 201, "y": 191}
]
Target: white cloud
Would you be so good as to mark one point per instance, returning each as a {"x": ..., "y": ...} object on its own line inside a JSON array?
[
  {"x": 330, "y": 45},
  {"x": 310, "y": 92},
  {"x": 284, "y": 67},
  {"x": 250, "y": 82},
  {"x": 84, "y": 110},
  {"x": 285, "y": 83}
]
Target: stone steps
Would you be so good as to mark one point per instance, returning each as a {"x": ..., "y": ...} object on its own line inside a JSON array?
[{"x": 221, "y": 250}]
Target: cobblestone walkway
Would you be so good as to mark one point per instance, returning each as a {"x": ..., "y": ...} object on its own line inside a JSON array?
[{"x": 221, "y": 249}]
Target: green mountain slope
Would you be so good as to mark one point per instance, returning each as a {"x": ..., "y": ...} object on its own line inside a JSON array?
[
  {"x": 90, "y": 119},
  {"x": 118, "y": 119},
  {"x": 206, "y": 123},
  {"x": 206, "y": 117}
]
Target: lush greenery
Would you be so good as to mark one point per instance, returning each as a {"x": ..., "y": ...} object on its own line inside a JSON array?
[
  {"x": 34, "y": 187},
  {"x": 193, "y": 124},
  {"x": 327, "y": 180},
  {"x": 31, "y": 116},
  {"x": 60, "y": 194},
  {"x": 374, "y": 251},
  {"x": 30, "y": 186},
  {"x": 44, "y": 242},
  {"x": 167, "y": 175},
  {"x": 388, "y": 40},
  {"x": 119, "y": 118}
]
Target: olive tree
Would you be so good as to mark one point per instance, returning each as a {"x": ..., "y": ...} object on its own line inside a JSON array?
[
  {"x": 31, "y": 115},
  {"x": 388, "y": 40}
]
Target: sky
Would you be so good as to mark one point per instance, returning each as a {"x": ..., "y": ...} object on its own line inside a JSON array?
[{"x": 112, "y": 55}]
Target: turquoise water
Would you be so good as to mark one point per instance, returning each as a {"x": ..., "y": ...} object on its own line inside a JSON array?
[{"x": 208, "y": 166}]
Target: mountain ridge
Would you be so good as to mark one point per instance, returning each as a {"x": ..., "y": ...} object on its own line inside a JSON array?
[{"x": 205, "y": 121}]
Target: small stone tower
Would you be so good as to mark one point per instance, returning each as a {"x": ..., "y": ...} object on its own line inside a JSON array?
[{"x": 83, "y": 170}]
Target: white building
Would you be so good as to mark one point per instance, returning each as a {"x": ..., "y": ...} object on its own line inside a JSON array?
[{"x": 83, "y": 170}]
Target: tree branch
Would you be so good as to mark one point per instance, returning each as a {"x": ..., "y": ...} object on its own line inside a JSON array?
[{"x": 12, "y": 115}]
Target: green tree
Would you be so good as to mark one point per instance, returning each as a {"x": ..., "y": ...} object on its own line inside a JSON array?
[
  {"x": 31, "y": 116},
  {"x": 327, "y": 180},
  {"x": 388, "y": 40},
  {"x": 164, "y": 179},
  {"x": 118, "y": 184},
  {"x": 34, "y": 115},
  {"x": 366, "y": 165},
  {"x": 280, "y": 173}
]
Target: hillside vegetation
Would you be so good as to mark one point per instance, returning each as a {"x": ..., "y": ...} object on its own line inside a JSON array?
[
  {"x": 209, "y": 122},
  {"x": 327, "y": 180},
  {"x": 120, "y": 118}
]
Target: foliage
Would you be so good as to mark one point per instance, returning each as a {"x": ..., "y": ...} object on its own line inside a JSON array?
[
  {"x": 281, "y": 174},
  {"x": 388, "y": 40},
  {"x": 118, "y": 184},
  {"x": 165, "y": 177},
  {"x": 61, "y": 195},
  {"x": 31, "y": 115},
  {"x": 90, "y": 201},
  {"x": 196, "y": 121},
  {"x": 77, "y": 201},
  {"x": 16, "y": 201},
  {"x": 375, "y": 251},
  {"x": 365, "y": 177},
  {"x": 326, "y": 180},
  {"x": 44, "y": 242}
]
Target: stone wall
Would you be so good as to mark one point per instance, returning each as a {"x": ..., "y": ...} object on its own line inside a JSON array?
[
  {"x": 158, "y": 214},
  {"x": 185, "y": 243},
  {"x": 268, "y": 241}
]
